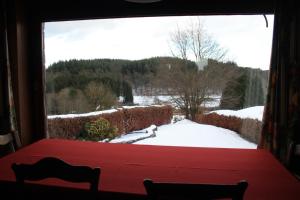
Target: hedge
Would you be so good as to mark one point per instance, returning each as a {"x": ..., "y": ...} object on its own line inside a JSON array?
[
  {"x": 125, "y": 119},
  {"x": 249, "y": 129},
  {"x": 140, "y": 118}
]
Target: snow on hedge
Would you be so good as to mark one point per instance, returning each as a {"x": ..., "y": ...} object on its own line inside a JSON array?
[
  {"x": 98, "y": 112},
  {"x": 255, "y": 112}
]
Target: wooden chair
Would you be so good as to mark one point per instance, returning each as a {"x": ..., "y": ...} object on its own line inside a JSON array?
[
  {"x": 51, "y": 167},
  {"x": 180, "y": 191}
]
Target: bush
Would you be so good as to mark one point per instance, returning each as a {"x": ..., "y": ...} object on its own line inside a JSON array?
[{"x": 100, "y": 129}]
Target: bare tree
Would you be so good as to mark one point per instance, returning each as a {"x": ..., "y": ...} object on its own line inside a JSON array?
[
  {"x": 100, "y": 96},
  {"x": 191, "y": 86},
  {"x": 201, "y": 43},
  {"x": 180, "y": 41},
  {"x": 189, "y": 89},
  {"x": 70, "y": 100}
]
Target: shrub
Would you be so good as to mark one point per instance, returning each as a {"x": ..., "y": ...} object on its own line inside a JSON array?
[{"x": 100, "y": 129}]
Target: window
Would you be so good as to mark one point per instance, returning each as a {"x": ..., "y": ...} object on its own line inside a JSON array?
[{"x": 164, "y": 80}]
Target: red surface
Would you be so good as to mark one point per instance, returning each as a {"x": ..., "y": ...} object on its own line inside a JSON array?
[{"x": 125, "y": 166}]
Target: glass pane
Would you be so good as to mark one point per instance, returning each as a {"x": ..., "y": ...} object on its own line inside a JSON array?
[{"x": 182, "y": 81}]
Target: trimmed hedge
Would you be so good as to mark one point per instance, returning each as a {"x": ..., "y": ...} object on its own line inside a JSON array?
[
  {"x": 125, "y": 120},
  {"x": 140, "y": 118},
  {"x": 70, "y": 128},
  {"x": 249, "y": 129}
]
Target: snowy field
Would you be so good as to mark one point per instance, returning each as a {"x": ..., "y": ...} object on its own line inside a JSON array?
[
  {"x": 191, "y": 134},
  {"x": 152, "y": 100},
  {"x": 255, "y": 112}
]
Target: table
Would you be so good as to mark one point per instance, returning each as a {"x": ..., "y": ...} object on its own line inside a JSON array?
[{"x": 125, "y": 166}]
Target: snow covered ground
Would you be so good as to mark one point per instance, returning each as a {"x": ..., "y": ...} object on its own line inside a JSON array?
[
  {"x": 188, "y": 133},
  {"x": 147, "y": 132},
  {"x": 150, "y": 100},
  {"x": 255, "y": 112}
]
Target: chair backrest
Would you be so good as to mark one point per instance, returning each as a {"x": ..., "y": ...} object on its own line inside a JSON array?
[
  {"x": 50, "y": 167},
  {"x": 178, "y": 191}
]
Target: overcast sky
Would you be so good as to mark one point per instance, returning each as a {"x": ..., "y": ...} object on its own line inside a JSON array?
[{"x": 246, "y": 38}]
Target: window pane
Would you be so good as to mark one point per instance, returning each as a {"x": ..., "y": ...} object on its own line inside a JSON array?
[{"x": 183, "y": 81}]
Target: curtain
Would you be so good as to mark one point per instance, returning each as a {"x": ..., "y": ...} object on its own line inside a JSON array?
[
  {"x": 281, "y": 115},
  {"x": 5, "y": 65}
]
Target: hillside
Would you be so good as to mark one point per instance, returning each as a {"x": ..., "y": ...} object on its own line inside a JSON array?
[{"x": 70, "y": 85}]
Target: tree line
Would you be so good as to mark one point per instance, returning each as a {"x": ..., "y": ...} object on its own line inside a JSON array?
[{"x": 79, "y": 86}]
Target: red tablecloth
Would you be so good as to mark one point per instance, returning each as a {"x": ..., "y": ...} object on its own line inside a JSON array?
[{"x": 125, "y": 166}]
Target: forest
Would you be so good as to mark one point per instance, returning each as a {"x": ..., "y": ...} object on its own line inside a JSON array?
[{"x": 80, "y": 86}]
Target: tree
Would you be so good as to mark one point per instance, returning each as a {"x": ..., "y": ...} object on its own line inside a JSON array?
[
  {"x": 233, "y": 95},
  {"x": 52, "y": 107},
  {"x": 127, "y": 93},
  {"x": 243, "y": 91},
  {"x": 195, "y": 43},
  {"x": 202, "y": 44},
  {"x": 180, "y": 42},
  {"x": 254, "y": 95},
  {"x": 189, "y": 88},
  {"x": 70, "y": 100},
  {"x": 191, "y": 85},
  {"x": 99, "y": 96}
]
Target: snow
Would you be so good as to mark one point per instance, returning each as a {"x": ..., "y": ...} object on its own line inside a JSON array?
[
  {"x": 150, "y": 100},
  {"x": 83, "y": 114},
  {"x": 255, "y": 112},
  {"x": 165, "y": 99},
  {"x": 147, "y": 132},
  {"x": 97, "y": 112},
  {"x": 191, "y": 134},
  {"x": 130, "y": 107}
]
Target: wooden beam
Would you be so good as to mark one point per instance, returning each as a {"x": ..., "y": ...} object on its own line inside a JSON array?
[{"x": 56, "y": 10}]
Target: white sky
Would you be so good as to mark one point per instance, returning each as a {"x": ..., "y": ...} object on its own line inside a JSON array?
[{"x": 246, "y": 38}]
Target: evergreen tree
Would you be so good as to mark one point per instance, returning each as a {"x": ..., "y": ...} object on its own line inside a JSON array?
[
  {"x": 242, "y": 92},
  {"x": 254, "y": 95},
  {"x": 234, "y": 93},
  {"x": 127, "y": 93}
]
